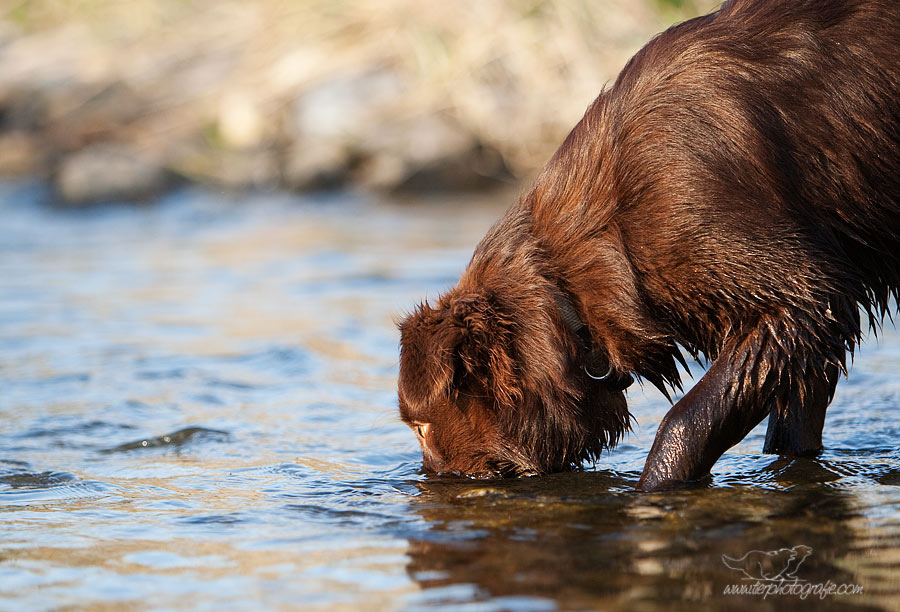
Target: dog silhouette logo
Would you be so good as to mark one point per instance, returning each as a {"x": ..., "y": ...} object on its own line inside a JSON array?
[{"x": 781, "y": 564}]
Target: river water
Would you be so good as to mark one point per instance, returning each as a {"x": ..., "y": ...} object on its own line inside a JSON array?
[{"x": 198, "y": 412}]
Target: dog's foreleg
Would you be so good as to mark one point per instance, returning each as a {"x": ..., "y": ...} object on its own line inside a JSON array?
[{"x": 777, "y": 365}]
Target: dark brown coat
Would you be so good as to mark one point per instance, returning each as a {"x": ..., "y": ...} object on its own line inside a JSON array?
[{"x": 735, "y": 192}]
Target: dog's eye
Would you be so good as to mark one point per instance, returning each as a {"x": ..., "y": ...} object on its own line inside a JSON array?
[{"x": 421, "y": 429}]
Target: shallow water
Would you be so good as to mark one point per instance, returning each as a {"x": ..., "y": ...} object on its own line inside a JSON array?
[{"x": 198, "y": 411}]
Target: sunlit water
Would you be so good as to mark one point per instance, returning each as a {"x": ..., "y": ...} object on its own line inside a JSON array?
[{"x": 198, "y": 411}]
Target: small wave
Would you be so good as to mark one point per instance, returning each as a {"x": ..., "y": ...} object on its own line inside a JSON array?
[
  {"x": 340, "y": 516},
  {"x": 26, "y": 488},
  {"x": 93, "y": 428},
  {"x": 214, "y": 519},
  {"x": 175, "y": 439},
  {"x": 34, "y": 480}
]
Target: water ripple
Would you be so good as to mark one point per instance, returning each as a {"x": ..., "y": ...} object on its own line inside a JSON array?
[
  {"x": 267, "y": 324},
  {"x": 24, "y": 488},
  {"x": 176, "y": 439}
]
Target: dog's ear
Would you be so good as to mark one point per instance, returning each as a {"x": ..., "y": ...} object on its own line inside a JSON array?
[
  {"x": 465, "y": 341},
  {"x": 428, "y": 343},
  {"x": 485, "y": 349}
]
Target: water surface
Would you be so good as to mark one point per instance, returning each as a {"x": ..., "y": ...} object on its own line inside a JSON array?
[{"x": 198, "y": 411}]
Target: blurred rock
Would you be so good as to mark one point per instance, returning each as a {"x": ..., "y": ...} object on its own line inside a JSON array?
[
  {"x": 20, "y": 155},
  {"x": 343, "y": 107},
  {"x": 427, "y": 153},
  {"x": 315, "y": 165},
  {"x": 249, "y": 169},
  {"x": 80, "y": 115},
  {"x": 240, "y": 122},
  {"x": 479, "y": 168},
  {"x": 246, "y": 95},
  {"x": 108, "y": 172}
]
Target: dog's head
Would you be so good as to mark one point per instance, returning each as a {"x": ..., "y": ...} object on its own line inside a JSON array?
[{"x": 495, "y": 385}]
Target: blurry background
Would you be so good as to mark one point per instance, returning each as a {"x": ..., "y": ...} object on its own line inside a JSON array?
[
  {"x": 116, "y": 100},
  {"x": 198, "y": 403}
]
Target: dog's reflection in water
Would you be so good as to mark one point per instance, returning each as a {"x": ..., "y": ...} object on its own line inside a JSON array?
[{"x": 586, "y": 541}]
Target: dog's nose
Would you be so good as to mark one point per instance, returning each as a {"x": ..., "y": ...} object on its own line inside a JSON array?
[{"x": 433, "y": 464}]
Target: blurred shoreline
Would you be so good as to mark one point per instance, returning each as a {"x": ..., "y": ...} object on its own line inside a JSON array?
[{"x": 112, "y": 101}]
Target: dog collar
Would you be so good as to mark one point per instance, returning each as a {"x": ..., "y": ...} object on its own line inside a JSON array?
[{"x": 595, "y": 356}]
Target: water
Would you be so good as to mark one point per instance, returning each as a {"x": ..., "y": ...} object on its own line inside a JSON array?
[{"x": 198, "y": 412}]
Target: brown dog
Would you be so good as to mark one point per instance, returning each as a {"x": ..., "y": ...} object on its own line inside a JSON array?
[{"x": 735, "y": 192}]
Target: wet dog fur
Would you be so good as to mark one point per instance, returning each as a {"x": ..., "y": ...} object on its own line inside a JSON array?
[{"x": 735, "y": 194}]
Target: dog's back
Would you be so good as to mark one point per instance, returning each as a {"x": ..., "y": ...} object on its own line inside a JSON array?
[
  {"x": 758, "y": 146},
  {"x": 830, "y": 111}
]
